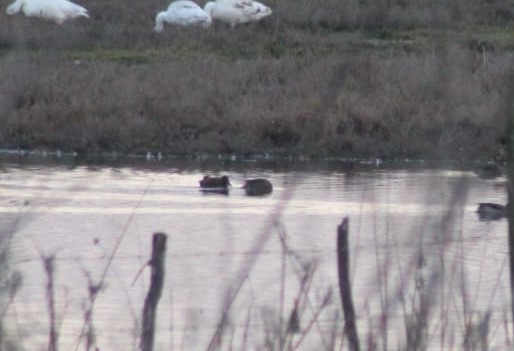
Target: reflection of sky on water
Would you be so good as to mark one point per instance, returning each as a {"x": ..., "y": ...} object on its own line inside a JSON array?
[{"x": 81, "y": 215}]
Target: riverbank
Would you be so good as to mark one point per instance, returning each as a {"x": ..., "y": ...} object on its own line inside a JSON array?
[{"x": 282, "y": 87}]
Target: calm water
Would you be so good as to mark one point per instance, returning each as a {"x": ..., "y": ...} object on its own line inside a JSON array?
[{"x": 85, "y": 216}]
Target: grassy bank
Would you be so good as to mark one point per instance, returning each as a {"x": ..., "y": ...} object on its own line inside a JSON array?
[{"x": 318, "y": 80}]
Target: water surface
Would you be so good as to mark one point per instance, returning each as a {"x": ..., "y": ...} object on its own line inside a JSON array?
[{"x": 412, "y": 230}]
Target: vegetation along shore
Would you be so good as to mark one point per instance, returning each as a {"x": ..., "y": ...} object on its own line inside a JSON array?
[{"x": 316, "y": 78}]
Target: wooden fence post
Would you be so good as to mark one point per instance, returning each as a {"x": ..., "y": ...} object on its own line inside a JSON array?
[
  {"x": 345, "y": 289},
  {"x": 154, "y": 294}
]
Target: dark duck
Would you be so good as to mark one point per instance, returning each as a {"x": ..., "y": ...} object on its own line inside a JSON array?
[
  {"x": 488, "y": 211},
  {"x": 257, "y": 187},
  {"x": 215, "y": 184}
]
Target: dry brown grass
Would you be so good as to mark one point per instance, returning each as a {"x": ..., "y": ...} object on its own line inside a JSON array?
[{"x": 401, "y": 105}]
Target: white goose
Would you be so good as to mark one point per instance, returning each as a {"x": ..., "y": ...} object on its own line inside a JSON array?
[
  {"x": 237, "y": 11},
  {"x": 182, "y": 13},
  {"x": 57, "y": 11}
]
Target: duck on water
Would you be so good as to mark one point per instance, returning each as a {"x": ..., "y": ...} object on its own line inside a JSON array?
[
  {"x": 257, "y": 187},
  {"x": 218, "y": 185},
  {"x": 489, "y": 171},
  {"x": 252, "y": 187},
  {"x": 488, "y": 211}
]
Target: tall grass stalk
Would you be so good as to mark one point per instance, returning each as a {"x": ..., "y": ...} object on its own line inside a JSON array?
[
  {"x": 93, "y": 294},
  {"x": 510, "y": 174},
  {"x": 49, "y": 266},
  {"x": 242, "y": 275},
  {"x": 93, "y": 290},
  {"x": 284, "y": 250},
  {"x": 11, "y": 281}
]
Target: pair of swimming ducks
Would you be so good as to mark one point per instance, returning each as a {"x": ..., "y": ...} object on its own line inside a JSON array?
[{"x": 252, "y": 187}]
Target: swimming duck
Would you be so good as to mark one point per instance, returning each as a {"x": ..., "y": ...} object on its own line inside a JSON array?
[
  {"x": 182, "y": 13},
  {"x": 237, "y": 11},
  {"x": 215, "y": 184},
  {"x": 489, "y": 171},
  {"x": 488, "y": 211},
  {"x": 57, "y": 11},
  {"x": 257, "y": 187}
]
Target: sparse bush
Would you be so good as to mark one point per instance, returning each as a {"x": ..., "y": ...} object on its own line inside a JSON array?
[{"x": 405, "y": 104}]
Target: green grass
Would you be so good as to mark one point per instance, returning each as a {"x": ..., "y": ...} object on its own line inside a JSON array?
[
  {"x": 293, "y": 43},
  {"x": 502, "y": 38},
  {"x": 115, "y": 55}
]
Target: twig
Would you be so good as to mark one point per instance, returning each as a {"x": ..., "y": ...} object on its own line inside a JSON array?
[
  {"x": 245, "y": 270},
  {"x": 325, "y": 303},
  {"x": 111, "y": 258}
]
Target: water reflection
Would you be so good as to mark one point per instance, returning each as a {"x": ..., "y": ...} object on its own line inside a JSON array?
[{"x": 410, "y": 227}]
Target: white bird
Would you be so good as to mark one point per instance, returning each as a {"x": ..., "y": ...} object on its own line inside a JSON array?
[
  {"x": 182, "y": 13},
  {"x": 237, "y": 11},
  {"x": 57, "y": 11}
]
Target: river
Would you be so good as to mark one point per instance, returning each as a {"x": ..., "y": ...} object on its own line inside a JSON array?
[{"x": 420, "y": 258}]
